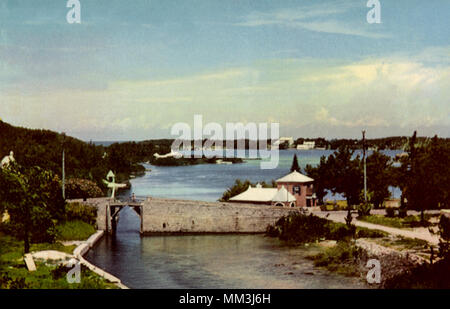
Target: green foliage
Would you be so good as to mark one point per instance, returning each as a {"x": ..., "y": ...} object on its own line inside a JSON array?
[
  {"x": 425, "y": 276},
  {"x": 379, "y": 170},
  {"x": 339, "y": 173},
  {"x": 82, "y": 188},
  {"x": 444, "y": 240},
  {"x": 241, "y": 186},
  {"x": 390, "y": 212},
  {"x": 74, "y": 230},
  {"x": 33, "y": 201},
  {"x": 301, "y": 228},
  {"x": 425, "y": 173},
  {"x": 341, "y": 258},
  {"x": 364, "y": 209},
  {"x": 82, "y": 212}
]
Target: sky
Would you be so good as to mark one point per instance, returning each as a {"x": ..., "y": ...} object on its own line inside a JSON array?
[{"x": 132, "y": 69}]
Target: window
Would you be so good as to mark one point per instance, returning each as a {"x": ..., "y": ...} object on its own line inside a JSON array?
[{"x": 297, "y": 190}]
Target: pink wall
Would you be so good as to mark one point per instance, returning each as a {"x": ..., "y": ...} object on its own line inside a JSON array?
[{"x": 301, "y": 198}]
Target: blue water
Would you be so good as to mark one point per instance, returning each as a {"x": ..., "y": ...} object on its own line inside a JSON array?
[
  {"x": 207, "y": 182},
  {"x": 209, "y": 261}
]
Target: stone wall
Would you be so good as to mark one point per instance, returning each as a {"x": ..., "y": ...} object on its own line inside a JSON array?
[{"x": 173, "y": 216}]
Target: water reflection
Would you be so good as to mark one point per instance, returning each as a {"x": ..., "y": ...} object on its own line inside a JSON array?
[{"x": 208, "y": 261}]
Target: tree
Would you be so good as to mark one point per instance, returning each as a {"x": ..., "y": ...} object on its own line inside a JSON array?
[
  {"x": 295, "y": 166},
  {"x": 378, "y": 174},
  {"x": 345, "y": 174},
  {"x": 31, "y": 201},
  {"x": 321, "y": 177}
]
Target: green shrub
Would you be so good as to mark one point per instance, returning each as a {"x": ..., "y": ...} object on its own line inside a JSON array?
[
  {"x": 364, "y": 209},
  {"x": 76, "y": 188},
  {"x": 341, "y": 258},
  {"x": 390, "y": 212},
  {"x": 82, "y": 212}
]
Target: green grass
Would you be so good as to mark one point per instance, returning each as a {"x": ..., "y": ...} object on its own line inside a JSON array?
[
  {"x": 14, "y": 274},
  {"x": 401, "y": 223},
  {"x": 74, "y": 230},
  {"x": 341, "y": 259},
  {"x": 403, "y": 243}
]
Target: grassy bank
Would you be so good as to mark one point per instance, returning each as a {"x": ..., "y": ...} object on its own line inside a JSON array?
[
  {"x": 74, "y": 230},
  {"x": 341, "y": 258},
  {"x": 15, "y": 275}
]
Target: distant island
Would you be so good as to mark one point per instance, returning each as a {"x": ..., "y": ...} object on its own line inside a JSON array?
[{"x": 92, "y": 161}]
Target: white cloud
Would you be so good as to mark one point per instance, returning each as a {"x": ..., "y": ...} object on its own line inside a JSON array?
[
  {"x": 313, "y": 95},
  {"x": 318, "y": 18}
]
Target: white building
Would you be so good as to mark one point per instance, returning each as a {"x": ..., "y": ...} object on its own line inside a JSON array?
[
  {"x": 306, "y": 146},
  {"x": 271, "y": 196}
]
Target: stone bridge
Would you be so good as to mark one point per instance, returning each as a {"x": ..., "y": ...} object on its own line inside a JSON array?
[{"x": 160, "y": 215}]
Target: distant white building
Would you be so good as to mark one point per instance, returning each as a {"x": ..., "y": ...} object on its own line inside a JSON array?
[
  {"x": 306, "y": 145},
  {"x": 288, "y": 140}
]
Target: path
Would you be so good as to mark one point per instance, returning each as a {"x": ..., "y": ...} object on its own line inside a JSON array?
[{"x": 418, "y": 233}]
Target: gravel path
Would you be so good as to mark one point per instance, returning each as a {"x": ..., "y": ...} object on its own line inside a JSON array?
[{"x": 419, "y": 233}]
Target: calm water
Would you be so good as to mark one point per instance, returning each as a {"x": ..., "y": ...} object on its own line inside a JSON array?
[
  {"x": 208, "y": 261},
  {"x": 207, "y": 182}
]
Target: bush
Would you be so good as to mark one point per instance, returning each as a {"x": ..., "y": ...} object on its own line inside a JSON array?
[
  {"x": 76, "y": 188},
  {"x": 444, "y": 241},
  {"x": 390, "y": 212},
  {"x": 341, "y": 258},
  {"x": 364, "y": 209},
  {"x": 82, "y": 212}
]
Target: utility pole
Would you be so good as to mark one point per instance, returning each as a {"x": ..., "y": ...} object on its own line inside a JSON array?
[
  {"x": 364, "y": 158},
  {"x": 63, "y": 168}
]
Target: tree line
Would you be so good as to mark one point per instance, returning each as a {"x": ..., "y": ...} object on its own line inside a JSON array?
[{"x": 422, "y": 174}]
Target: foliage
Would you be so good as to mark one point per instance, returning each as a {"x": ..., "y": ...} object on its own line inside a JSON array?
[
  {"x": 379, "y": 169},
  {"x": 425, "y": 276},
  {"x": 33, "y": 200},
  {"x": 295, "y": 166},
  {"x": 76, "y": 188},
  {"x": 444, "y": 240},
  {"x": 341, "y": 258},
  {"x": 390, "y": 212},
  {"x": 425, "y": 174},
  {"x": 340, "y": 173},
  {"x": 74, "y": 230},
  {"x": 364, "y": 209},
  {"x": 82, "y": 212},
  {"x": 302, "y": 228},
  {"x": 240, "y": 186}
]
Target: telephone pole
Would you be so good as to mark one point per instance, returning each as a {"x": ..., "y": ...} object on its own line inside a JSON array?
[
  {"x": 63, "y": 169},
  {"x": 364, "y": 158}
]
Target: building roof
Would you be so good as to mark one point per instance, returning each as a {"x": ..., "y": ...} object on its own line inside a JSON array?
[
  {"x": 283, "y": 195},
  {"x": 265, "y": 195},
  {"x": 257, "y": 194},
  {"x": 295, "y": 177}
]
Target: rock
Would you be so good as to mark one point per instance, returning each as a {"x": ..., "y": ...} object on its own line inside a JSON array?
[{"x": 28, "y": 258}]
